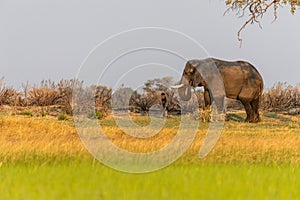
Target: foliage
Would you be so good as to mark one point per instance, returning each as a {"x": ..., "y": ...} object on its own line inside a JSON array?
[
  {"x": 62, "y": 116},
  {"x": 27, "y": 112},
  {"x": 58, "y": 96},
  {"x": 102, "y": 97},
  {"x": 256, "y": 9},
  {"x": 95, "y": 115},
  {"x": 48, "y": 93},
  {"x": 155, "y": 91},
  {"x": 161, "y": 84},
  {"x": 99, "y": 115},
  {"x": 121, "y": 98},
  {"x": 141, "y": 103},
  {"x": 44, "y": 114},
  {"x": 281, "y": 97},
  {"x": 9, "y": 95}
]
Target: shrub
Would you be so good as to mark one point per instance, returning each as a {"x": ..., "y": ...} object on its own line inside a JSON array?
[
  {"x": 44, "y": 114},
  {"x": 281, "y": 97},
  {"x": 95, "y": 115},
  {"x": 27, "y": 112},
  {"x": 99, "y": 115},
  {"x": 62, "y": 116}
]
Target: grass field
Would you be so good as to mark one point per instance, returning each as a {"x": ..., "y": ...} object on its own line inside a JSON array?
[{"x": 43, "y": 158}]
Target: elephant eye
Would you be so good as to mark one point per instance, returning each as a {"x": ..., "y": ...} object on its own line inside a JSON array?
[{"x": 190, "y": 71}]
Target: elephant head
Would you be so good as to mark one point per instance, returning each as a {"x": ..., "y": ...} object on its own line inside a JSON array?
[{"x": 191, "y": 77}]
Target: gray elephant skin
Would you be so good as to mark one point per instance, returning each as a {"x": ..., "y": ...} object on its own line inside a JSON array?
[{"x": 241, "y": 80}]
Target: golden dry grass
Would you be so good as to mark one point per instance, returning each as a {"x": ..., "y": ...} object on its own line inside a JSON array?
[
  {"x": 24, "y": 137},
  {"x": 275, "y": 140}
]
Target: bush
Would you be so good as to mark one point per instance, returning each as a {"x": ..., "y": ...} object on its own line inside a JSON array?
[
  {"x": 27, "y": 112},
  {"x": 44, "y": 114},
  {"x": 99, "y": 115},
  {"x": 95, "y": 115},
  {"x": 62, "y": 116},
  {"x": 281, "y": 97}
]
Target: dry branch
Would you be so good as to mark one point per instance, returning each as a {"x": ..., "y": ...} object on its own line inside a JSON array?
[{"x": 256, "y": 9}]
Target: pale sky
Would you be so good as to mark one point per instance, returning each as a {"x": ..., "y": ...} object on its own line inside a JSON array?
[{"x": 49, "y": 39}]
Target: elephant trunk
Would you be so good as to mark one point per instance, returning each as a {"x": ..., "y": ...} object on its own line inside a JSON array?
[
  {"x": 185, "y": 92},
  {"x": 184, "y": 89}
]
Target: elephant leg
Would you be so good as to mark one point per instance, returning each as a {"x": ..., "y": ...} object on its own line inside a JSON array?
[
  {"x": 255, "y": 106},
  {"x": 165, "y": 114},
  {"x": 207, "y": 99},
  {"x": 249, "y": 111}
]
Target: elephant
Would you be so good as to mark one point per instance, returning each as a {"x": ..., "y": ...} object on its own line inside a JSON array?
[
  {"x": 241, "y": 81},
  {"x": 164, "y": 103},
  {"x": 162, "y": 98}
]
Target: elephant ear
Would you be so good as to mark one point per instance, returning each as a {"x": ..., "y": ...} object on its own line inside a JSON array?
[
  {"x": 194, "y": 63},
  {"x": 192, "y": 70}
]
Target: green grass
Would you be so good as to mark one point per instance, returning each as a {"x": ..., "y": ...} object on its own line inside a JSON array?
[
  {"x": 27, "y": 112},
  {"x": 91, "y": 180},
  {"x": 43, "y": 158},
  {"x": 62, "y": 116}
]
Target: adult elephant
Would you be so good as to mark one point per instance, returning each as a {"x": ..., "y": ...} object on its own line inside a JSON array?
[{"x": 241, "y": 81}]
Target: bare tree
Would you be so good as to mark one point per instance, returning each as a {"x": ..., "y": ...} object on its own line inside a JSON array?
[
  {"x": 102, "y": 97},
  {"x": 256, "y": 9},
  {"x": 121, "y": 98},
  {"x": 281, "y": 97},
  {"x": 8, "y": 95},
  {"x": 2, "y": 91},
  {"x": 141, "y": 103},
  {"x": 155, "y": 91}
]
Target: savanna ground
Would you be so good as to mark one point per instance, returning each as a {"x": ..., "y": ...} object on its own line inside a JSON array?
[{"x": 44, "y": 158}]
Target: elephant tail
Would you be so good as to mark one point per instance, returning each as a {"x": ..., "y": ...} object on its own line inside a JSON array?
[{"x": 261, "y": 88}]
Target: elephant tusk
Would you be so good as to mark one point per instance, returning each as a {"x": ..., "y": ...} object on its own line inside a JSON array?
[{"x": 177, "y": 86}]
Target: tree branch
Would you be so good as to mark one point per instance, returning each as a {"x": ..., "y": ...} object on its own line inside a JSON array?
[{"x": 256, "y": 10}]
